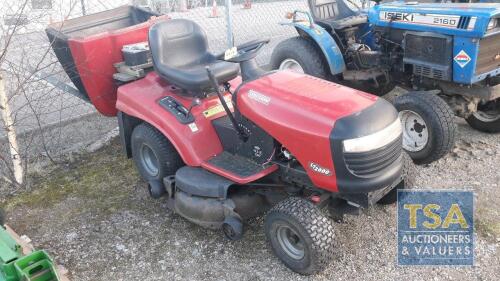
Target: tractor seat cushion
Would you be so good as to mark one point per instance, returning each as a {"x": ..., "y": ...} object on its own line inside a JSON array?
[{"x": 180, "y": 54}]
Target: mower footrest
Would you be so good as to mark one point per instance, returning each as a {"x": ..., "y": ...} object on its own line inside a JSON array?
[{"x": 237, "y": 168}]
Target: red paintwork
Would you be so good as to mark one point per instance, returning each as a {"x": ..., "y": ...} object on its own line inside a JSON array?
[
  {"x": 94, "y": 57},
  {"x": 300, "y": 114},
  {"x": 140, "y": 99}
]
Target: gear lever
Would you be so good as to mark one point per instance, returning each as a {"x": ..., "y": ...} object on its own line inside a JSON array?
[{"x": 215, "y": 84}]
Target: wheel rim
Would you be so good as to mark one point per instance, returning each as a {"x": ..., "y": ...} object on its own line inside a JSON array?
[
  {"x": 290, "y": 242},
  {"x": 292, "y": 65},
  {"x": 149, "y": 160},
  {"x": 415, "y": 131}
]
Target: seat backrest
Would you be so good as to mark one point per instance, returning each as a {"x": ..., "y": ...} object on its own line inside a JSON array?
[
  {"x": 324, "y": 9},
  {"x": 329, "y": 10},
  {"x": 178, "y": 42}
]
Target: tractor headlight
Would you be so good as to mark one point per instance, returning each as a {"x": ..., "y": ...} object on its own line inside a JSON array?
[
  {"x": 375, "y": 140},
  {"x": 492, "y": 24}
]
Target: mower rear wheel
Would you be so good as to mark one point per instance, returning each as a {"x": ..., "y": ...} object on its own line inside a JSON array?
[
  {"x": 428, "y": 126},
  {"x": 408, "y": 181},
  {"x": 300, "y": 55},
  {"x": 154, "y": 156},
  {"x": 300, "y": 235}
]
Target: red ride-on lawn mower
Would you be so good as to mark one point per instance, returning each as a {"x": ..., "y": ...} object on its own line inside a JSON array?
[{"x": 223, "y": 149}]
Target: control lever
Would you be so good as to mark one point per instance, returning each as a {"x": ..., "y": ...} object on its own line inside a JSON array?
[
  {"x": 215, "y": 84},
  {"x": 194, "y": 102}
]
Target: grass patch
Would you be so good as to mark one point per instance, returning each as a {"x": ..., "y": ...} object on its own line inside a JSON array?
[
  {"x": 100, "y": 178},
  {"x": 487, "y": 224}
]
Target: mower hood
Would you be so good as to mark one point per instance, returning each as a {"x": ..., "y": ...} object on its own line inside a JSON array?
[{"x": 301, "y": 111}]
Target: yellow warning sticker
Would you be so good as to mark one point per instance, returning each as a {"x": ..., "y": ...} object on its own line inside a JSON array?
[
  {"x": 216, "y": 109},
  {"x": 213, "y": 111}
]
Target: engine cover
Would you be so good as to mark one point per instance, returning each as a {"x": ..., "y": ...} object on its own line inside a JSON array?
[{"x": 300, "y": 112}]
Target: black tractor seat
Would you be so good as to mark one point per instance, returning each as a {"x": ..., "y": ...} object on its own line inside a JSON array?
[
  {"x": 180, "y": 54},
  {"x": 335, "y": 14}
]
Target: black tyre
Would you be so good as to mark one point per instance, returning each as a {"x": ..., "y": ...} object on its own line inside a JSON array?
[
  {"x": 428, "y": 126},
  {"x": 2, "y": 217},
  {"x": 232, "y": 228},
  {"x": 487, "y": 117},
  {"x": 409, "y": 174},
  {"x": 154, "y": 156},
  {"x": 300, "y": 55},
  {"x": 300, "y": 235}
]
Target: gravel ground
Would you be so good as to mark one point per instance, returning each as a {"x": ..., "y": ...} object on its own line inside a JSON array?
[{"x": 95, "y": 217}]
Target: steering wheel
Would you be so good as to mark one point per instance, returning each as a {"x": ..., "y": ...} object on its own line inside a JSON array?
[{"x": 245, "y": 51}]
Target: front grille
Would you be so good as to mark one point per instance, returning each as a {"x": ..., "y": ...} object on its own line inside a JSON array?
[
  {"x": 489, "y": 53},
  {"x": 373, "y": 163},
  {"x": 427, "y": 48},
  {"x": 429, "y": 54},
  {"x": 422, "y": 70}
]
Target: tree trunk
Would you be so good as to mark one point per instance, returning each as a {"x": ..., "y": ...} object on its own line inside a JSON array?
[{"x": 11, "y": 133}]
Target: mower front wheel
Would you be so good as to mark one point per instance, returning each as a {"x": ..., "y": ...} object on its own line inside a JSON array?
[
  {"x": 428, "y": 126},
  {"x": 300, "y": 235},
  {"x": 154, "y": 156}
]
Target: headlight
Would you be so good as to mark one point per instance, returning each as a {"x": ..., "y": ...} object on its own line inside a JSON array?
[
  {"x": 375, "y": 140},
  {"x": 492, "y": 24}
]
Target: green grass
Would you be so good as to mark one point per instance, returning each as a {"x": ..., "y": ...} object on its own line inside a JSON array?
[
  {"x": 487, "y": 223},
  {"x": 104, "y": 174}
]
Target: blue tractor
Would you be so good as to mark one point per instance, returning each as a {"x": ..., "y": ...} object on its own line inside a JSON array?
[{"x": 445, "y": 55}]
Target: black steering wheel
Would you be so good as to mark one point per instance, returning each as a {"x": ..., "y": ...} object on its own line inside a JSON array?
[{"x": 245, "y": 51}]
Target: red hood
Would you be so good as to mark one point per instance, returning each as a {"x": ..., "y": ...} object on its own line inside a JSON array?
[{"x": 300, "y": 112}]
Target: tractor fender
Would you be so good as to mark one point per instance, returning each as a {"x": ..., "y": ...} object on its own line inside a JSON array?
[
  {"x": 139, "y": 101},
  {"x": 325, "y": 42}
]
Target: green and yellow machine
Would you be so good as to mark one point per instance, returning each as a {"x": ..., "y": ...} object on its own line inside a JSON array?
[{"x": 15, "y": 266}]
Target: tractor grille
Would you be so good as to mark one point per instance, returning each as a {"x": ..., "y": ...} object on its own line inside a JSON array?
[
  {"x": 422, "y": 70},
  {"x": 489, "y": 53},
  {"x": 430, "y": 54},
  {"x": 373, "y": 163}
]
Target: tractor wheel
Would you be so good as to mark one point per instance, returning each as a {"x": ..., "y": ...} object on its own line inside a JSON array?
[
  {"x": 428, "y": 126},
  {"x": 154, "y": 156},
  {"x": 409, "y": 174},
  {"x": 487, "y": 117},
  {"x": 300, "y": 235},
  {"x": 299, "y": 55}
]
